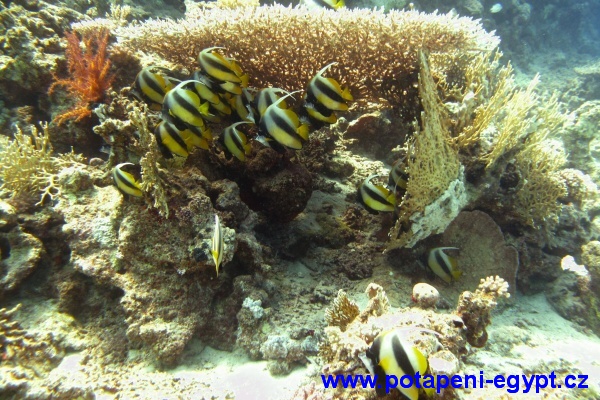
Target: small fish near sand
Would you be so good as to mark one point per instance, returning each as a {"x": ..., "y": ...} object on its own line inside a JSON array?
[{"x": 444, "y": 265}]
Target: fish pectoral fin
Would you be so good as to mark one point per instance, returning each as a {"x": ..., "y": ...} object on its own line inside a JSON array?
[
  {"x": 346, "y": 95},
  {"x": 302, "y": 131},
  {"x": 456, "y": 274}
]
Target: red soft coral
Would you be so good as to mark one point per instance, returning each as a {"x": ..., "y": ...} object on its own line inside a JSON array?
[{"x": 89, "y": 73}]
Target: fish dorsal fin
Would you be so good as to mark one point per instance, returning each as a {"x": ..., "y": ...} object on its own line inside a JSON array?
[
  {"x": 325, "y": 68},
  {"x": 232, "y": 126},
  {"x": 279, "y": 100}
]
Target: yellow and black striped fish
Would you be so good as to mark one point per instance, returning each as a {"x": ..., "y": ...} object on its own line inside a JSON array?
[
  {"x": 236, "y": 142},
  {"x": 225, "y": 73},
  {"x": 242, "y": 105},
  {"x": 376, "y": 198},
  {"x": 267, "y": 96},
  {"x": 283, "y": 125},
  {"x": 443, "y": 265},
  {"x": 173, "y": 140},
  {"x": 317, "y": 112},
  {"x": 151, "y": 85},
  {"x": 392, "y": 354},
  {"x": 398, "y": 178},
  {"x": 217, "y": 244},
  {"x": 328, "y": 92},
  {"x": 183, "y": 103},
  {"x": 125, "y": 181}
]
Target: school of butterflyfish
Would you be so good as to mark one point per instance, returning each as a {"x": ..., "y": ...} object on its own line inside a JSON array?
[{"x": 219, "y": 93}]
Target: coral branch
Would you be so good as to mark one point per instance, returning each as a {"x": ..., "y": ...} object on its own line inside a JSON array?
[{"x": 89, "y": 73}]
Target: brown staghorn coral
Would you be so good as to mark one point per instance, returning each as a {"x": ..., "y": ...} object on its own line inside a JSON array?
[
  {"x": 376, "y": 52},
  {"x": 89, "y": 77}
]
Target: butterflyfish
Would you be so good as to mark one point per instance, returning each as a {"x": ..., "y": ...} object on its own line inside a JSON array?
[
  {"x": 376, "y": 198},
  {"x": 174, "y": 140},
  {"x": 217, "y": 244},
  {"x": 151, "y": 85},
  {"x": 328, "y": 92},
  {"x": 125, "y": 182},
  {"x": 267, "y": 96},
  {"x": 184, "y": 104},
  {"x": 393, "y": 354},
  {"x": 283, "y": 125},
  {"x": 225, "y": 73},
  {"x": 236, "y": 142},
  {"x": 443, "y": 265},
  {"x": 398, "y": 178}
]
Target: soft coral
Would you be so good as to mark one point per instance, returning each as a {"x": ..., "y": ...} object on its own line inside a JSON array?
[{"x": 89, "y": 73}]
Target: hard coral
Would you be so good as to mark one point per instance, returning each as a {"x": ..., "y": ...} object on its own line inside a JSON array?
[
  {"x": 475, "y": 308},
  {"x": 89, "y": 73},
  {"x": 375, "y": 51}
]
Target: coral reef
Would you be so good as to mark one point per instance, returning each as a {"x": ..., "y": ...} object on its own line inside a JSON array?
[
  {"x": 475, "y": 308},
  {"x": 341, "y": 348},
  {"x": 433, "y": 167}
]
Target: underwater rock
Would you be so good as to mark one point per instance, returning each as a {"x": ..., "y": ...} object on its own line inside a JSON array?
[
  {"x": 25, "y": 356},
  {"x": 165, "y": 290},
  {"x": 425, "y": 296},
  {"x": 570, "y": 293},
  {"x": 285, "y": 195},
  {"x": 282, "y": 352},
  {"x": 20, "y": 254}
]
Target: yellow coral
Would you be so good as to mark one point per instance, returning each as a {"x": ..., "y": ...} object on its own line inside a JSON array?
[
  {"x": 342, "y": 312},
  {"x": 29, "y": 169},
  {"x": 432, "y": 163}
]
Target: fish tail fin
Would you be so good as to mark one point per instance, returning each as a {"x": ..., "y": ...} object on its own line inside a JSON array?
[
  {"x": 339, "y": 4},
  {"x": 203, "y": 109},
  {"x": 303, "y": 131},
  {"x": 245, "y": 80}
]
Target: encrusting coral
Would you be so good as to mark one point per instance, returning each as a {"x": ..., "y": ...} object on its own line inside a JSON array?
[{"x": 475, "y": 308}]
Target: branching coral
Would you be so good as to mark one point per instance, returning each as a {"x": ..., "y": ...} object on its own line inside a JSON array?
[
  {"x": 376, "y": 52},
  {"x": 432, "y": 163},
  {"x": 342, "y": 312},
  {"x": 536, "y": 200},
  {"x": 89, "y": 73},
  {"x": 29, "y": 169},
  {"x": 151, "y": 183}
]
